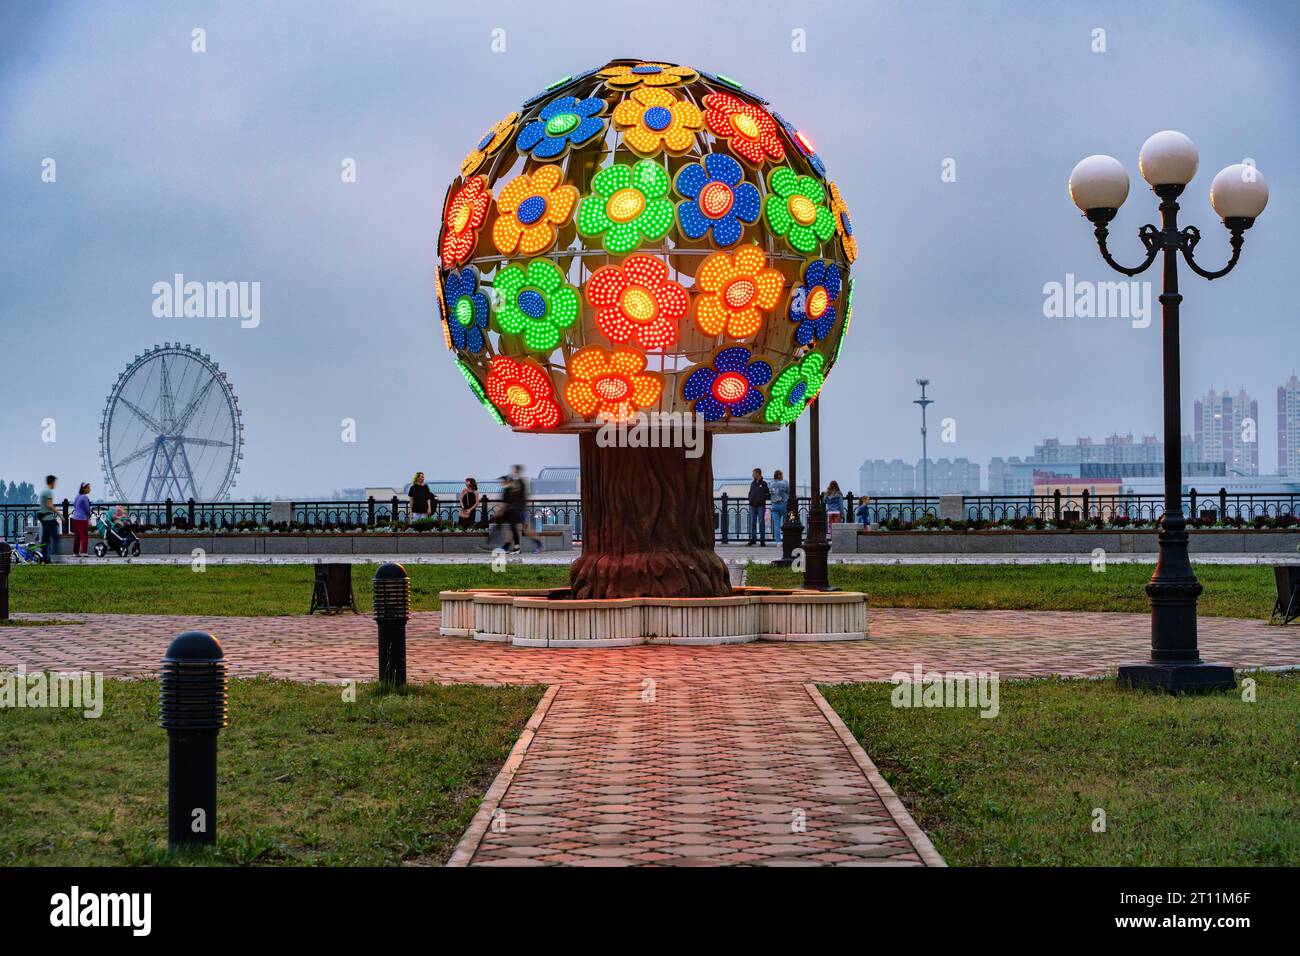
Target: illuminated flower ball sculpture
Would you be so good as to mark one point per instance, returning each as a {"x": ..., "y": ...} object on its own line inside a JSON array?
[{"x": 645, "y": 238}]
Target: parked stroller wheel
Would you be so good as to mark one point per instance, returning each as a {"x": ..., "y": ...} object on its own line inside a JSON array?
[
  {"x": 135, "y": 549},
  {"x": 100, "y": 549}
]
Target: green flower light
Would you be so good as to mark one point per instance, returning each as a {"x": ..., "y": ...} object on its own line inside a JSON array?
[
  {"x": 476, "y": 387},
  {"x": 796, "y": 209},
  {"x": 535, "y": 302},
  {"x": 627, "y": 204},
  {"x": 794, "y": 388},
  {"x": 844, "y": 328}
]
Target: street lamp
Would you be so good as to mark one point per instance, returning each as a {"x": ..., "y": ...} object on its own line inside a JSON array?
[
  {"x": 1099, "y": 186},
  {"x": 925, "y": 454}
]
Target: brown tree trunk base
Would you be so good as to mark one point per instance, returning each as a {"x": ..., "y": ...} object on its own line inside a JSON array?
[{"x": 647, "y": 524}]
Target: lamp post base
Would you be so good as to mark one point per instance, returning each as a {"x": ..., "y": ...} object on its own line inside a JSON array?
[
  {"x": 791, "y": 538},
  {"x": 1177, "y": 677}
]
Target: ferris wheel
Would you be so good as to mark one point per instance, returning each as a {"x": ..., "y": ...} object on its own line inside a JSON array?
[{"x": 171, "y": 429}]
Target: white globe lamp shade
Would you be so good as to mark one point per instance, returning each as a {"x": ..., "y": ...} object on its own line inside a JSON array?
[
  {"x": 1098, "y": 182},
  {"x": 1239, "y": 192},
  {"x": 1168, "y": 158}
]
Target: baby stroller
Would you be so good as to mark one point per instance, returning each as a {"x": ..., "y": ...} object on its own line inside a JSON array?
[{"x": 115, "y": 537}]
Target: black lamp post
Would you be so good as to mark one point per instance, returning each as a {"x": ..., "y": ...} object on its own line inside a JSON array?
[{"x": 1098, "y": 186}]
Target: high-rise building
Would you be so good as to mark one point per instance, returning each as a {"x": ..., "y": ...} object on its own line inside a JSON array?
[
  {"x": 879, "y": 477},
  {"x": 1227, "y": 429},
  {"x": 1118, "y": 456},
  {"x": 960, "y": 476},
  {"x": 1288, "y": 428}
]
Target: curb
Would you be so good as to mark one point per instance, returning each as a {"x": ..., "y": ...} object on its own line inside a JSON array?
[
  {"x": 474, "y": 833},
  {"x": 924, "y": 848}
]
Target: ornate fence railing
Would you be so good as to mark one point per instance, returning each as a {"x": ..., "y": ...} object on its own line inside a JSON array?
[{"x": 731, "y": 515}]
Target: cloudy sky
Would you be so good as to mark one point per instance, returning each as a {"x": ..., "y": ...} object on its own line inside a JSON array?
[{"x": 225, "y": 165}]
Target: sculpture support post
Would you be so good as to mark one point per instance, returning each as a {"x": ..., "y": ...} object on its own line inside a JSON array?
[
  {"x": 815, "y": 546},
  {"x": 791, "y": 529},
  {"x": 647, "y": 523}
]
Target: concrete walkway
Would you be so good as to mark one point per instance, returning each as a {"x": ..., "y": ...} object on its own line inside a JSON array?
[{"x": 669, "y": 754}]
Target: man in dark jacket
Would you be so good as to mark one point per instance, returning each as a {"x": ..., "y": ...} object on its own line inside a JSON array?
[{"x": 759, "y": 493}]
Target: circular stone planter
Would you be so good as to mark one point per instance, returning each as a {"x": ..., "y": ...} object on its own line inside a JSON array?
[{"x": 549, "y": 618}]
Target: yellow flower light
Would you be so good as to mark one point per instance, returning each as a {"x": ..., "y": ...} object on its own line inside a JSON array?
[
  {"x": 653, "y": 119},
  {"x": 647, "y": 74},
  {"x": 530, "y": 211},
  {"x": 735, "y": 292},
  {"x": 492, "y": 140}
]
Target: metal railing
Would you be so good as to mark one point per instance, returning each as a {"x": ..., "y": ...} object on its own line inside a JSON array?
[{"x": 730, "y": 514}]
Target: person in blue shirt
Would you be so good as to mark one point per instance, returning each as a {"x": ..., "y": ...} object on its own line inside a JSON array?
[
  {"x": 780, "y": 489},
  {"x": 81, "y": 522}
]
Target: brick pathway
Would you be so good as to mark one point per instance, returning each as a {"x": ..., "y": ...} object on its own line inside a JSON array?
[{"x": 677, "y": 755}]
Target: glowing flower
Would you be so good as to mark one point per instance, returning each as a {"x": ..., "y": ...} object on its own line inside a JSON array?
[
  {"x": 736, "y": 291},
  {"x": 567, "y": 121},
  {"x": 530, "y": 211},
  {"x": 795, "y": 209},
  {"x": 843, "y": 224},
  {"x": 728, "y": 386},
  {"x": 794, "y": 388},
  {"x": 813, "y": 304},
  {"x": 492, "y": 140},
  {"x": 476, "y": 387},
  {"x": 647, "y": 74},
  {"x": 803, "y": 142},
  {"x": 636, "y": 301},
  {"x": 611, "y": 385},
  {"x": 715, "y": 200},
  {"x": 628, "y": 203},
  {"x": 652, "y": 119},
  {"x": 535, "y": 302},
  {"x": 461, "y": 220},
  {"x": 523, "y": 393},
  {"x": 747, "y": 127},
  {"x": 469, "y": 309}
]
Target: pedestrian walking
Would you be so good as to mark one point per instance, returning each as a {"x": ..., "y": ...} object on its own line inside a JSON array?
[
  {"x": 759, "y": 495},
  {"x": 48, "y": 516},
  {"x": 81, "y": 522},
  {"x": 515, "y": 497},
  {"x": 780, "y": 503}
]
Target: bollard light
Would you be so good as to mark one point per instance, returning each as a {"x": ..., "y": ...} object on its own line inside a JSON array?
[
  {"x": 192, "y": 709},
  {"x": 392, "y": 597}
]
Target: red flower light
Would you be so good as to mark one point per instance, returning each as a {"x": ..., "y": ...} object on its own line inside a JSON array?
[
  {"x": 748, "y": 128},
  {"x": 523, "y": 393},
  {"x": 636, "y": 301},
  {"x": 461, "y": 220}
]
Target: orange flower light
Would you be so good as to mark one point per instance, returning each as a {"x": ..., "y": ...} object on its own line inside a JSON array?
[
  {"x": 611, "y": 385},
  {"x": 736, "y": 291},
  {"x": 843, "y": 224},
  {"x": 652, "y": 119},
  {"x": 523, "y": 393},
  {"x": 647, "y": 74},
  {"x": 636, "y": 301},
  {"x": 749, "y": 129},
  {"x": 531, "y": 209},
  {"x": 461, "y": 220}
]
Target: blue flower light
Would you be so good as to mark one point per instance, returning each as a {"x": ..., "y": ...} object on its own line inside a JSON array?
[
  {"x": 715, "y": 198},
  {"x": 561, "y": 123},
  {"x": 467, "y": 309},
  {"x": 728, "y": 386},
  {"x": 813, "y": 304}
]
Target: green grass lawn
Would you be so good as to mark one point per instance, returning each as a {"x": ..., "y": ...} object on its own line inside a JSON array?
[
  {"x": 258, "y": 590},
  {"x": 240, "y": 589},
  {"x": 1190, "y": 781},
  {"x": 1230, "y": 590},
  {"x": 304, "y": 778}
]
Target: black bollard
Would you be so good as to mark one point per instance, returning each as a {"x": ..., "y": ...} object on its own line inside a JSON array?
[
  {"x": 392, "y": 597},
  {"x": 5, "y": 563},
  {"x": 192, "y": 709}
]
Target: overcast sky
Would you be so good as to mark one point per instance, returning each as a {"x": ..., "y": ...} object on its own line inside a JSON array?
[{"x": 225, "y": 165}]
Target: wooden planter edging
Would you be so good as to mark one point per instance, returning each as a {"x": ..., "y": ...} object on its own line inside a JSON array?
[
  {"x": 327, "y": 543},
  {"x": 852, "y": 539},
  {"x": 535, "y": 618}
]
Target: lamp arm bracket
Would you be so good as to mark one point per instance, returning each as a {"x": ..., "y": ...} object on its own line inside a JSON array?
[
  {"x": 1149, "y": 235},
  {"x": 1190, "y": 236}
]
